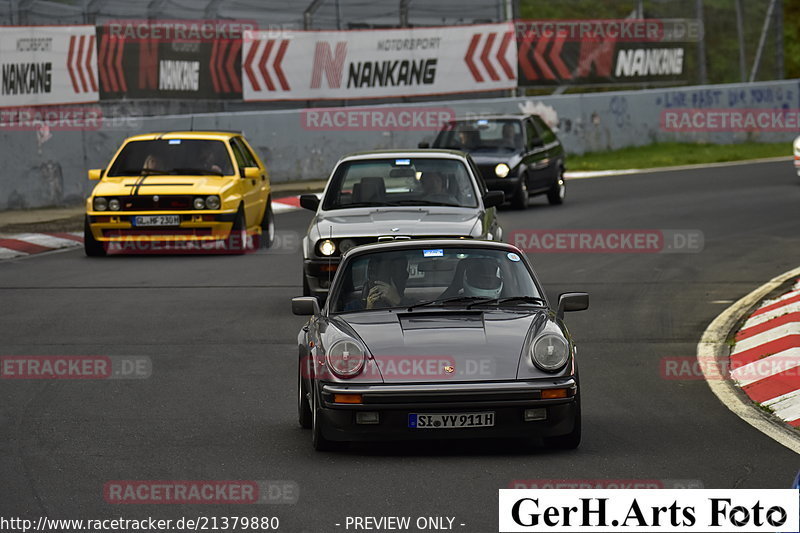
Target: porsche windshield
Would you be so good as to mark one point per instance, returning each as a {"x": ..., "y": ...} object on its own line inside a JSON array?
[
  {"x": 400, "y": 182},
  {"x": 173, "y": 157},
  {"x": 419, "y": 277},
  {"x": 482, "y": 135}
]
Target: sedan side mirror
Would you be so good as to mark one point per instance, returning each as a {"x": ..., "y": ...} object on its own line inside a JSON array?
[
  {"x": 572, "y": 301},
  {"x": 305, "y": 305},
  {"x": 95, "y": 174},
  {"x": 493, "y": 199},
  {"x": 309, "y": 201}
]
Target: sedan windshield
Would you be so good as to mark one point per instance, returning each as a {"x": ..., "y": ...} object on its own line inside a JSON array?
[
  {"x": 173, "y": 157},
  {"x": 400, "y": 182},
  {"x": 439, "y": 277},
  {"x": 488, "y": 135}
]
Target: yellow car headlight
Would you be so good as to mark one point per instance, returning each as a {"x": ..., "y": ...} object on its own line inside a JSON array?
[{"x": 100, "y": 203}]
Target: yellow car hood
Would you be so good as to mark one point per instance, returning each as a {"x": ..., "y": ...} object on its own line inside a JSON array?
[{"x": 149, "y": 185}]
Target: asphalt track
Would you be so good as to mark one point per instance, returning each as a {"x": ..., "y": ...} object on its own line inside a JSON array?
[{"x": 220, "y": 404}]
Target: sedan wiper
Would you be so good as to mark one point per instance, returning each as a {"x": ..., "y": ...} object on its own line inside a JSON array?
[
  {"x": 366, "y": 204},
  {"x": 446, "y": 301},
  {"x": 535, "y": 300},
  {"x": 197, "y": 171},
  {"x": 425, "y": 202}
]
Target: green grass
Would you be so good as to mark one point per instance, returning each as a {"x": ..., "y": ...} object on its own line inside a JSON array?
[{"x": 668, "y": 154}]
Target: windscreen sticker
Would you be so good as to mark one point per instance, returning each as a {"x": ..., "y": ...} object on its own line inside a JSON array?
[
  {"x": 513, "y": 257},
  {"x": 433, "y": 253},
  {"x": 399, "y": 162},
  {"x": 174, "y": 141}
]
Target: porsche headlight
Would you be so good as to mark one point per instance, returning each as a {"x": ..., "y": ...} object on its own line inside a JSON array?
[
  {"x": 100, "y": 203},
  {"x": 327, "y": 247},
  {"x": 346, "y": 358},
  {"x": 212, "y": 202},
  {"x": 501, "y": 170},
  {"x": 550, "y": 352}
]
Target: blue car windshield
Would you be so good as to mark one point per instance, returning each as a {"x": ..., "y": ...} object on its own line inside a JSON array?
[{"x": 430, "y": 276}]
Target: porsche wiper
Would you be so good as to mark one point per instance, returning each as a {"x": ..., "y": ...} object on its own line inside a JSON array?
[
  {"x": 197, "y": 171},
  {"x": 535, "y": 300},
  {"x": 446, "y": 301}
]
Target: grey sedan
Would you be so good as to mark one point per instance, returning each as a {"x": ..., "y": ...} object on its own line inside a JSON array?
[
  {"x": 438, "y": 339},
  {"x": 394, "y": 195}
]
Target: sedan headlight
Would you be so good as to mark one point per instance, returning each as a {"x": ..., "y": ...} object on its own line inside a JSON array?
[
  {"x": 346, "y": 358},
  {"x": 327, "y": 247},
  {"x": 550, "y": 352},
  {"x": 199, "y": 203},
  {"x": 100, "y": 203},
  {"x": 113, "y": 204},
  {"x": 501, "y": 170},
  {"x": 212, "y": 202},
  {"x": 346, "y": 244}
]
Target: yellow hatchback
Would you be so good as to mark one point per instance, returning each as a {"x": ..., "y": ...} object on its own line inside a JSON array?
[{"x": 180, "y": 191}]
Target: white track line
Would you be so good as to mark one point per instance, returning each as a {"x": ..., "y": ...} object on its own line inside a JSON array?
[{"x": 712, "y": 347}]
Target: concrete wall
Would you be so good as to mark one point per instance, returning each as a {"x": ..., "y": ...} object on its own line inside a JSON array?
[{"x": 48, "y": 168}]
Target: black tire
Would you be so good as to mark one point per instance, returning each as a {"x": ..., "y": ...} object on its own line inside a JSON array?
[
  {"x": 238, "y": 236},
  {"x": 303, "y": 409},
  {"x": 571, "y": 440},
  {"x": 318, "y": 440},
  {"x": 91, "y": 246},
  {"x": 268, "y": 226},
  {"x": 306, "y": 288},
  {"x": 558, "y": 192},
  {"x": 521, "y": 196}
]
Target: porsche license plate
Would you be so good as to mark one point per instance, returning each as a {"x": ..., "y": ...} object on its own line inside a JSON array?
[
  {"x": 157, "y": 220},
  {"x": 450, "y": 420}
]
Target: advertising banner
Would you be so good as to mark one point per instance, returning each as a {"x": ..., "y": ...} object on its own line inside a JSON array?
[
  {"x": 43, "y": 65},
  {"x": 340, "y": 65},
  {"x": 171, "y": 59},
  {"x": 607, "y": 51}
]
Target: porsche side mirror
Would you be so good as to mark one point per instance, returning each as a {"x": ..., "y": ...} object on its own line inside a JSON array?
[
  {"x": 95, "y": 174},
  {"x": 305, "y": 305},
  {"x": 572, "y": 301},
  {"x": 493, "y": 199},
  {"x": 309, "y": 201}
]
